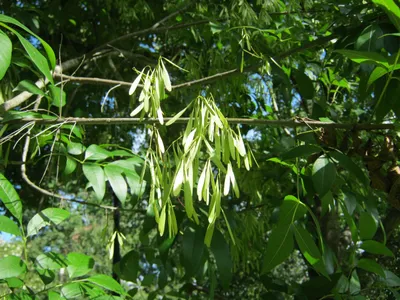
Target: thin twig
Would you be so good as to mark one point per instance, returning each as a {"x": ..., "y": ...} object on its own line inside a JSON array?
[
  {"x": 291, "y": 123},
  {"x": 153, "y": 28},
  {"x": 94, "y": 80},
  {"x": 207, "y": 79}
]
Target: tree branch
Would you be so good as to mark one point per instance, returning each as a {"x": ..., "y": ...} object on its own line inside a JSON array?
[
  {"x": 292, "y": 123},
  {"x": 94, "y": 80},
  {"x": 74, "y": 62}
]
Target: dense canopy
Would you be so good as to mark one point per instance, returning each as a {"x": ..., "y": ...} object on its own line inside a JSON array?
[{"x": 199, "y": 149}]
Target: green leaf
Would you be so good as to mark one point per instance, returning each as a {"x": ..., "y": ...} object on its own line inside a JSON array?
[
  {"x": 370, "y": 39},
  {"x": 26, "y": 85},
  {"x": 106, "y": 282},
  {"x": 58, "y": 96},
  {"x": 348, "y": 164},
  {"x": 70, "y": 165},
  {"x": 129, "y": 266},
  {"x": 7, "y": 225},
  {"x": 72, "y": 290},
  {"x": 136, "y": 186},
  {"x": 375, "y": 247},
  {"x": 79, "y": 264},
  {"x": 220, "y": 249},
  {"x": 350, "y": 202},
  {"x": 391, "y": 9},
  {"x": 378, "y": 72},
  {"x": 47, "y": 48},
  {"x": 75, "y": 148},
  {"x": 17, "y": 115},
  {"x": 10, "y": 198},
  {"x": 122, "y": 153},
  {"x": 54, "y": 296},
  {"x": 193, "y": 249},
  {"x": 326, "y": 203},
  {"x": 95, "y": 175},
  {"x": 291, "y": 210},
  {"x": 51, "y": 261},
  {"x": 354, "y": 284},
  {"x": 5, "y": 53},
  {"x": 301, "y": 151},
  {"x": 323, "y": 175},
  {"x": 304, "y": 84},
  {"x": 11, "y": 266},
  {"x": 14, "y": 282},
  {"x": 37, "y": 58},
  {"x": 279, "y": 247},
  {"x": 367, "y": 226},
  {"x": 371, "y": 266},
  {"x": 306, "y": 244},
  {"x": 364, "y": 57},
  {"x": 391, "y": 279},
  {"x": 48, "y": 216},
  {"x": 350, "y": 222},
  {"x": 47, "y": 276},
  {"x": 117, "y": 181},
  {"x": 95, "y": 152}
]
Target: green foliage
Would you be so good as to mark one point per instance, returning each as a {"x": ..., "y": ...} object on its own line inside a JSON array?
[{"x": 235, "y": 107}]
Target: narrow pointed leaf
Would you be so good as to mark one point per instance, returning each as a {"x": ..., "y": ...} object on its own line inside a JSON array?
[
  {"x": 95, "y": 175},
  {"x": 323, "y": 175},
  {"x": 117, "y": 181},
  {"x": 10, "y": 198},
  {"x": 371, "y": 266},
  {"x": 279, "y": 247},
  {"x": 375, "y": 247},
  {"x": 106, "y": 282},
  {"x": 220, "y": 249},
  {"x": 37, "y": 58},
  {"x": 48, "y": 217},
  {"x": 5, "y": 53},
  {"x": 8, "y": 225}
]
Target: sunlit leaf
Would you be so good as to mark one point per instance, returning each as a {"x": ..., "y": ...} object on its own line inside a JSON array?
[
  {"x": 106, "y": 282},
  {"x": 11, "y": 266},
  {"x": 46, "y": 46},
  {"x": 10, "y": 198},
  {"x": 5, "y": 53},
  {"x": 47, "y": 217},
  {"x": 95, "y": 152},
  {"x": 72, "y": 290},
  {"x": 37, "y": 58},
  {"x": 95, "y": 175},
  {"x": 79, "y": 264},
  {"x": 26, "y": 85},
  {"x": 7, "y": 225},
  {"x": 117, "y": 181},
  {"x": 51, "y": 261}
]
